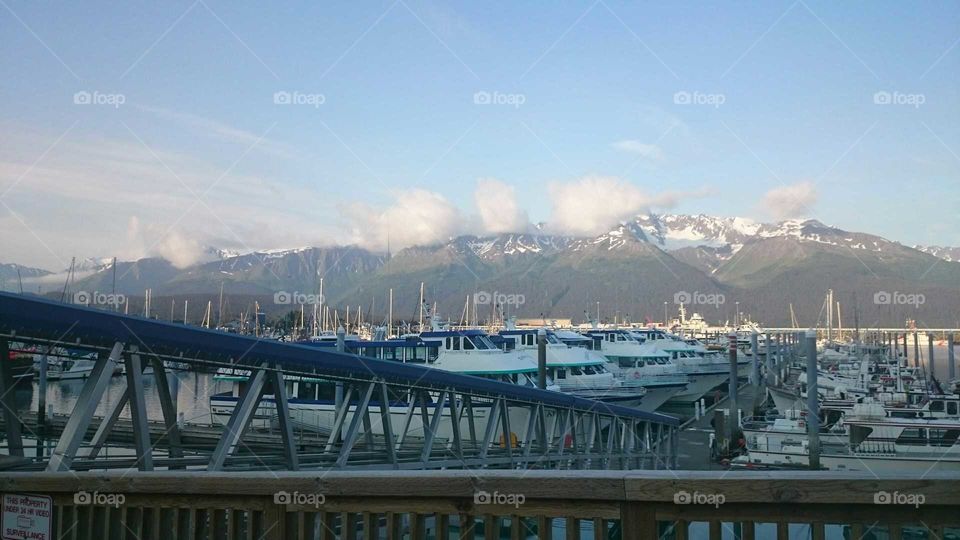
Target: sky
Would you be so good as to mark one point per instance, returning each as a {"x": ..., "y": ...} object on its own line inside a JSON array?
[{"x": 144, "y": 128}]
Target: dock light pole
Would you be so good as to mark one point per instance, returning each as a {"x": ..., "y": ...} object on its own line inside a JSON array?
[
  {"x": 813, "y": 401},
  {"x": 734, "y": 421},
  {"x": 542, "y": 359},
  {"x": 930, "y": 352},
  {"x": 951, "y": 364}
]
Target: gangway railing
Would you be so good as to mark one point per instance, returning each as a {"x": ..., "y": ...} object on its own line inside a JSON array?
[{"x": 432, "y": 418}]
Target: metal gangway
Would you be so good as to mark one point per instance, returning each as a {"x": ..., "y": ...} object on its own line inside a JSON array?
[{"x": 391, "y": 415}]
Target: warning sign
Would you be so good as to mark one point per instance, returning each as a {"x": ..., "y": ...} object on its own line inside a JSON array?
[{"x": 27, "y": 517}]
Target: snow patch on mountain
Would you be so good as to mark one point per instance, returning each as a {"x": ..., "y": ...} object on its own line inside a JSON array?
[{"x": 949, "y": 254}]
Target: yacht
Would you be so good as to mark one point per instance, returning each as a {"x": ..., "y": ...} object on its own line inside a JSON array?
[
  {"x": 312, "y": 401},
  {"x": 867, "y": 440},
  {"x": 577, "y": 370},
  {"x": 706, "y": 369},
  {"x": 630, "y": 360}
]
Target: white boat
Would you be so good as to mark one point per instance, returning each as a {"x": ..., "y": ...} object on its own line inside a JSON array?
[
  {"x": 867, "y": 440},
  {"x": 66, "y": 365},
  {"x": 579, "y": 371},
  {"x": 312, "y": 401},
  {"x": 633, "y": 361},
  {"x": 706, "y": 369}
]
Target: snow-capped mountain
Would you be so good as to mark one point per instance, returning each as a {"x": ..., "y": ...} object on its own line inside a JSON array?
[
  {"x": 635, "y": 265},
  {"x": 673, "y": 231},
  {"x": 951, "y": 254},
  {"x": 90, "y": 265}
]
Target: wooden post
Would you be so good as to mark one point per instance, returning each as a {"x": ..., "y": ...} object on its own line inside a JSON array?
[{"x": 638, "y": 521}]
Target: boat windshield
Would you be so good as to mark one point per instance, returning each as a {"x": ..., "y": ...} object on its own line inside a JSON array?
[{"x": 480, "y": 342}]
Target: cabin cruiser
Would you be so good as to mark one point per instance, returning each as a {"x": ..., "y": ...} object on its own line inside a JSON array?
[
  {"x": 632, "y": 361},
  {"x": 312, "y": 400},
  {"x": 866, "y": 440},
  {"x": 577, "y": 370},
  {"x": 67, "y": 365},
  {"x": 706, "y": 369}
]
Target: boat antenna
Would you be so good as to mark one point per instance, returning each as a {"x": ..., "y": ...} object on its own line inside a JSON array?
[{"x": 66, "y": 284}]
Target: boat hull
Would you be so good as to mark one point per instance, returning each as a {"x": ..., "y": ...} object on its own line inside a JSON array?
[
  {"x": 319, "y": 416},
  {"x": 698, "y": 385},
  {"x": 859, "y": 463}
]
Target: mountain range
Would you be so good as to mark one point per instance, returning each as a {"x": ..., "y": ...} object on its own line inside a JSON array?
[{"x": 634, "y": 270}]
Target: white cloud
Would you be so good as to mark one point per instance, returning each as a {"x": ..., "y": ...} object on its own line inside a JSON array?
[
  {"x": 788, "y": 202},
  {"x": 499, "y": 210},
  {"x": 94, "y": 196},
  {"x": 416, "y": 217},
  {"x": 633, "y": 146},
  {"x": 594, "y": 204}
]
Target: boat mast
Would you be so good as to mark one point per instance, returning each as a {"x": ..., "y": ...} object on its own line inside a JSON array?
[{"x": 420, "y": 307}]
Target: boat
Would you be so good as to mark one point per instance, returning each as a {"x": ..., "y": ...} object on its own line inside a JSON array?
[
  {"x": 578, "y": 371},
  {"x": 706, "y": 369},
  {"x": 312, "y": 400},
  {"x": 632, "y": 361},
  {"x": 867, "y": 440}
]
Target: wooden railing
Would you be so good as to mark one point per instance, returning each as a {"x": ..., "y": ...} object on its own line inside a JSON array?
[{"x": 494, "y": 504}]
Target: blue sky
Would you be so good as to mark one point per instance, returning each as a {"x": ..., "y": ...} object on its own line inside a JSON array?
[{"x": 589, "y": 101}]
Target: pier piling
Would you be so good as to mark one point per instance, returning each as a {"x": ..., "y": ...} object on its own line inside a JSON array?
[
  {"x": 542, "y": 358},
  {"x": 931, "y": 363},
  {"x": 951, "y": 363},
  {"x": 732, "y": 391},
  {"x": 813, "y": 402}
]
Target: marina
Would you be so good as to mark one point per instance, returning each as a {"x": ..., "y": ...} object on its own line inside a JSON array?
[
  {"x": 433, "y": 270},
  {"x": 548, "y": 401}
]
